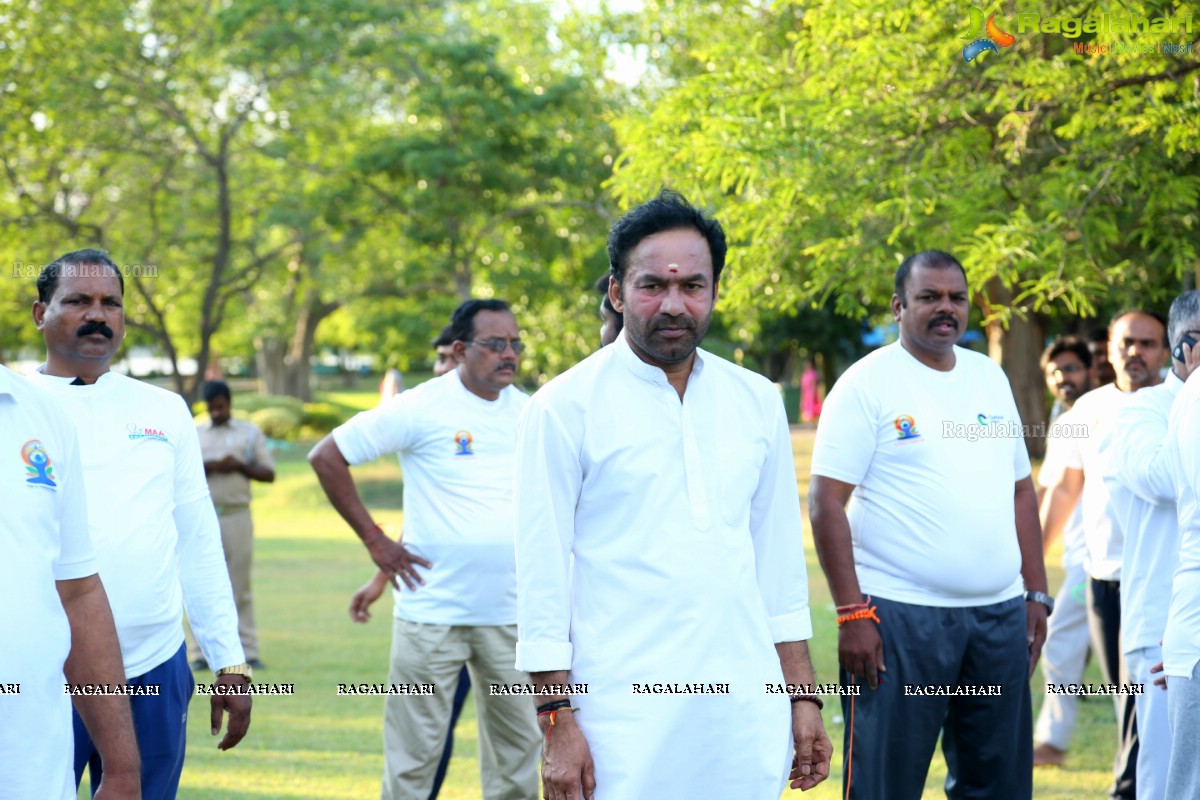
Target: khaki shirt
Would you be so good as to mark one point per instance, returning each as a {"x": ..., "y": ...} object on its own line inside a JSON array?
[{"x": 245, "y": 442}]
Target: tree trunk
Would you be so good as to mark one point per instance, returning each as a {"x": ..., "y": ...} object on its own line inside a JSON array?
[{"x": 1017, "y": 351}]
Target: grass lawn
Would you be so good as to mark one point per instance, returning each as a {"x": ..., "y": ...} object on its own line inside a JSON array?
[{"x": 317, "y": 745}]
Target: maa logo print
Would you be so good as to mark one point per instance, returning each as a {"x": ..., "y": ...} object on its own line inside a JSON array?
[{"x": 983, "y": 35}]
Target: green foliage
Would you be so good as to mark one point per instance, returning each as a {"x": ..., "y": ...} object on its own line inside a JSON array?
[
  {"x": 837, "y": 137},
  {"x": 277, "y": 422},
  {"x": 321, "y": 418}
]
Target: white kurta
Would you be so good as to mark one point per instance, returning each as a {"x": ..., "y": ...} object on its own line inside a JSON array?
[{"x": 659, "y": 550}]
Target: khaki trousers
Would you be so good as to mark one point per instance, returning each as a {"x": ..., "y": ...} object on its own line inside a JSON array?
[
  {"x": 237, "y": 538},
  {"x": 414, "y": 728}
]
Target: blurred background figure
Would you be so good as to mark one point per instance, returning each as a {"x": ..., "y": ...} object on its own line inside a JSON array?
[{"x": 810, "y": 397}]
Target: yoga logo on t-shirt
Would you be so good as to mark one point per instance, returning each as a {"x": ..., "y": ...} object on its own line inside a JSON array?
[
  {"x": 37, "y": 464},
  {"x": 906, "y": 427},
  {"x": 463, "y": 440}
]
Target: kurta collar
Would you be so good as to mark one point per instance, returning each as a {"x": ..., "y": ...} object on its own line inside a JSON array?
[
  {"x": 1173, "y": 383},
  {"x": 624, "y": 353},
  {"x": 103, "y": 381}
]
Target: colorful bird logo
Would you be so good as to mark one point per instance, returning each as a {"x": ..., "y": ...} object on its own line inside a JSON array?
[{"x": 983, "y": 35}]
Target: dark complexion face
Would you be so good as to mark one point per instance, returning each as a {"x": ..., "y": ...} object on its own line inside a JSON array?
[
  {"x": 484, "y": 372},
  {"x": 667, "y": 296},
  {"x": 219, "y": 409},
  {"x": 83, "y": 323},
  {"x": 933, "y": 313},
  {"x": 1067, "y": 378},
  {"x": 1136, "y": 351}
]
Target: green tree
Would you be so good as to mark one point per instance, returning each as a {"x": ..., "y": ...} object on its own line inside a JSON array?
[{"x": 835, "y": 138}]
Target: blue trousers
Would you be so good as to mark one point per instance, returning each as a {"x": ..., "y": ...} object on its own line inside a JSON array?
[
  {"x": 160, "y": 724},
  {"x": 958, "y": 672}
]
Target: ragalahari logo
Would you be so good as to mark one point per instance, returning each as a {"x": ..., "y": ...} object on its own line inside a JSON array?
[{"x": 983, "y": 35}]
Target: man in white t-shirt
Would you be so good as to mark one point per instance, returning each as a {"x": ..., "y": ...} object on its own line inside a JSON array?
[
  {"x": 455, "y": 436},
  {"x": 1142, "y": 492},
  {"x": 151, "y": 521},
  {"x": 53, "y": 638},
  {"x": 1137, "y": 350},
  {"x": 936, "y": 565},
  {"x": 1066, "y": 364}
]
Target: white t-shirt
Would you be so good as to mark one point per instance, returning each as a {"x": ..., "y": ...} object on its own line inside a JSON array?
[
  {"x": 43, "y": 539},
  {"x": 456, "y": 450},
  {"x": 934, "y": 457},
  {"x": 1181, "y": 640},
  {"x": 1074, "y": 546},
  {"x": 1102, "y": 533},
  {"x": 1142, "y": 496},
  {"x": 142, "y": 465}
]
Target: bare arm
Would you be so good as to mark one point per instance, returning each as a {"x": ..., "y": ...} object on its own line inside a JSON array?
[
  {"x": 95, "y": 658},
  {"x": 1059, "y": 503},
  {"x": 333, "y": 471},
  {"x": 860, "y": 647},
  {"x": 257, "y": 472},
  {"x": 1033, "y": 567},
  {"x": 810, "y": 764},
  {"x": 568, "y": 772}
]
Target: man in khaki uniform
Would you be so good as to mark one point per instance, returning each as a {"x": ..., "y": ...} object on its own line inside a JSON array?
[{"x": 235, "y": 453}]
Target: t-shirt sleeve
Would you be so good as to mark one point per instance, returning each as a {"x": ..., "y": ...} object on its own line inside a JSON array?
[
  {"x": 190, "y": 483},
  {"x": 75, "y": 558},
  {"x": 846, "y": 433},
  {"x": 387, "y": 428}
]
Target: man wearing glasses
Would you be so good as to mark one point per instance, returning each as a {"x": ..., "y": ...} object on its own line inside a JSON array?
[{"x": 455, "y": 436}]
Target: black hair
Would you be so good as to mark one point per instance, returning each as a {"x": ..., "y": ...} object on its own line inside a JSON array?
[
  {"x": 1097, "y": 334},
  {"x": 1066, "y": 344},
  {"x": 602, "y": 288},
  {"x": 1152, "y": 314},
  {"x": 445, "y": 337},
  {"x": 211, "y": 390},
  {"x": 668, "y": 211},
  {"x": 47, "y": 281},
  {"x": 933, "y": 259},
  {"x": 463, "y": 318}
]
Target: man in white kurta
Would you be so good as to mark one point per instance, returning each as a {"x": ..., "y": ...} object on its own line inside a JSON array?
[
  {"x": 1142, "y": 497},
  {"x": 659, "y": 553},
  {"x": 1181, "y": 639}
]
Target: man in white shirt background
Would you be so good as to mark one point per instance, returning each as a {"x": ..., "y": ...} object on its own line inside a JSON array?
[
  {"x": 1142, "y": 491},
  {"x": 659, "y": 550},
  {"x": 936, "y": 563},
  {"x": 1138, "y": 349},
  {"x": 151, "y": 521},
  {"x": 57, "y": 626},
  {"x": 1066, "y": 364},
  {"x": 369, "y": 592},
  {"x": 455, "y": 437}
]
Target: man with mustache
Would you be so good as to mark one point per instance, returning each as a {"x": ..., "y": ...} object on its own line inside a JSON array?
[
  {"x": 936, "y": 563},
  {"x": 455, "y": 437},
  {"x": 659, "y": 552},
  {"x": 151, "y": 520},
  {"x": 1137, "y": 349},
  {"x": 1066, "y": 364}
]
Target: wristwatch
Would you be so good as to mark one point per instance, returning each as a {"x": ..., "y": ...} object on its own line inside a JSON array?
[
  {"x": 1043, "y": 598},
  {"x": 237, "y": 669}
]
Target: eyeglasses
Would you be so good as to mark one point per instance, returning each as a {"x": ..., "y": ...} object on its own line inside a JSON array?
[
  {"x": 1069, "y": 369},
  {"x": 498, "y": 345}
]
